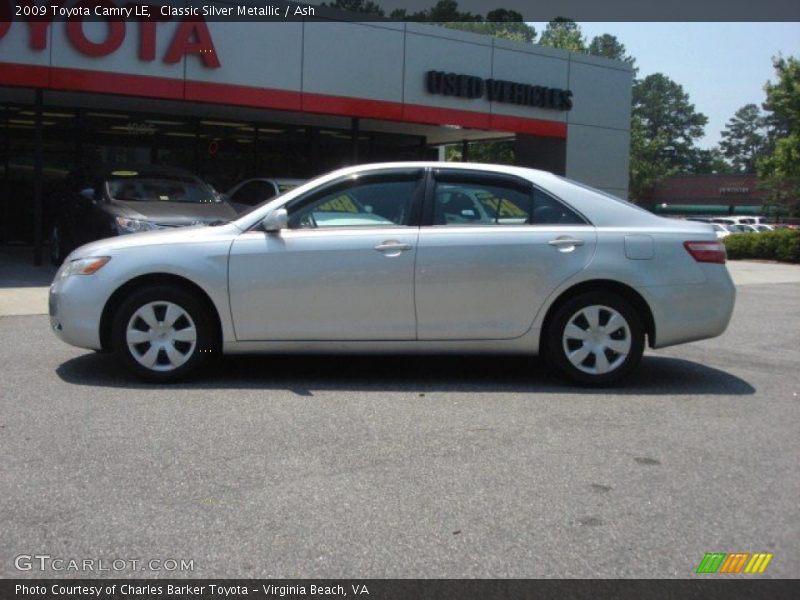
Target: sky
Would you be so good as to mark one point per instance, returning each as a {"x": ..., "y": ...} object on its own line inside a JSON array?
[{"x": 722, "y": 66}]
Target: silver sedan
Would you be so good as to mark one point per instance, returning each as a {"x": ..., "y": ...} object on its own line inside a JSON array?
[{"x": 404, "y": 257}]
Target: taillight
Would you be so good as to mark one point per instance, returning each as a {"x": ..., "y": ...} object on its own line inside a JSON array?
[{"x": 707, "y": 252}]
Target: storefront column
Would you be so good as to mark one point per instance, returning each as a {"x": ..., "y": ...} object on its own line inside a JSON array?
[{"x": 37, "y": 182}]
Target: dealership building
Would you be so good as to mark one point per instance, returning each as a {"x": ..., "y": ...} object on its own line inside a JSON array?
[{"x": 231, "y": 100}]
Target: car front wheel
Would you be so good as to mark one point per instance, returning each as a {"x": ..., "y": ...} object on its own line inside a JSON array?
[
  {"x": 163, "y": 333},
  {"x": 595, "y": 338}
]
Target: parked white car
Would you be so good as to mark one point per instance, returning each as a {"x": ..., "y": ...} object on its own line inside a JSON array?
[
  {"x": 382, "y": 258},
  {"x": 721, "y": 230}
]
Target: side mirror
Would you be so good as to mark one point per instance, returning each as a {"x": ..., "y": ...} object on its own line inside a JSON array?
[{"x": 276, "y": 220}]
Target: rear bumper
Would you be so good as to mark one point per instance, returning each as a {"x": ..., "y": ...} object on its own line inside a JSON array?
[{"x": 686, "y": 313}]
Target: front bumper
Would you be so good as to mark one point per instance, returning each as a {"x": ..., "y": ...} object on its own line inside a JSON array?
[{"x": 76, "y": 306}]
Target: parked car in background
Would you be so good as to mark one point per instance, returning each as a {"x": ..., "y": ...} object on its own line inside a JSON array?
[
  {"x": 117, "y": 200},
  {"x": 250, "y": 192},
  {"x": 762, "y": 227},
  {"x": 739, "y": 220},
  {"x": 722, "y": 231},
  {"x": 580, "y": 276}
]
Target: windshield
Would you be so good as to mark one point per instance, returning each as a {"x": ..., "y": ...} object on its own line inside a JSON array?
[{"x": 160, "y": 189}]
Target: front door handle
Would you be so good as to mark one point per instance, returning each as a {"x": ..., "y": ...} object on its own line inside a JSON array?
[{"x": 392, "y": 247}]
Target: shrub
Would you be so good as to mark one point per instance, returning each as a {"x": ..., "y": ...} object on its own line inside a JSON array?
[{"x": 781, "y": 244}]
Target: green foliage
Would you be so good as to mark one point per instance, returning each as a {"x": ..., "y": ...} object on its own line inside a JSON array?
[
  {"x": 648, "y": 164},
  {"x": 664, "y": 128},
  {"x": 780, "y": 171},
  {"x": 608, "y": 46},
  {"x": 495, "y": 152},
  {"x": 444, "y": 11},
  {"x": 744, "y": 139},
  {"x": 359, "y": 6},
  {"x": 781, "y": 244},
  {"x": 516, "y": 31},
  {"x": 564, "y": 34},
  {"x": 500, "y": 23},
  {"x": 709, "y": 161},
  {"x": 663, "y": 108}
]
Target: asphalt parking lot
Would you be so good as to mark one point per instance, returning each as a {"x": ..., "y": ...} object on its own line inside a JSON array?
[{"x": 410, "y": 467}]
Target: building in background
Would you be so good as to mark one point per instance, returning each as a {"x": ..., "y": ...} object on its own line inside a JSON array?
[
  {"x": 717, "y": 194},
  {"x": 231, "y": 100}
]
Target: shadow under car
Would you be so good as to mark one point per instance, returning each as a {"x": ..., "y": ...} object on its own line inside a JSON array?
[{"x": 656, "y": 375}]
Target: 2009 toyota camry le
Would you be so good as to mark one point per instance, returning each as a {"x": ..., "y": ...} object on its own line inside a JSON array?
[{"x": 404, "y": 257}]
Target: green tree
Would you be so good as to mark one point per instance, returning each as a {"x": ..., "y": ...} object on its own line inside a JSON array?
[
  {"x": 359, "y": 6},
  {"x": 664, "y": 129},
  {"x": 500, "y": 23},
  {"x": 780, "y": 170},
  {"x": 744, "y": 139},
  {"x": 444, "y": 11},
  {"x": 664, "y": 109},
  {"x": 709, "y": 161},
  {"x": 505, "y": 24},
  {"x": 609, "y": 46},
  {"x": 648, "y": 160},
  {"x": 493, "y": 152},
  {"x": 564, "y": 34}
]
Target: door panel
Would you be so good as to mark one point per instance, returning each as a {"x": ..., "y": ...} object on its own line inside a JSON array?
[
  {"x": 324, "y": 285},
  {"x": 343, "y": 270},
  {"x": 489, "y": 282},
  {"x": 495, "y": 249}
]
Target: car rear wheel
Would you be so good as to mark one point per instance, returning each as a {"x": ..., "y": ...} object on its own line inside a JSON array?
[
  {"x": 596, "y": 338},
  {"x": 163, "y": 333}
]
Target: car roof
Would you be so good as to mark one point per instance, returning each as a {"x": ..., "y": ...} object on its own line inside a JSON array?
[{"x": 600, "y": 208}]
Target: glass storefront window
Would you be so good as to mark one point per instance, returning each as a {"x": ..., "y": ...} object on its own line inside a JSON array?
[{"x": 222, "y": 151}]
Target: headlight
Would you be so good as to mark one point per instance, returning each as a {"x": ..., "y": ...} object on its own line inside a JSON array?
[
  {"x": 85, "y": 266},
  {"x": 125, "y": 225}
]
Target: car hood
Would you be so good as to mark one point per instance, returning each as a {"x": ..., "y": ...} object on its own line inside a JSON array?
[
  {"x": 174, "y": 214},
  {"x": 199, "y": 234}
]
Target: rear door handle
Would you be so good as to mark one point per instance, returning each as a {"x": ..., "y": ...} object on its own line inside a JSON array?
[{"x": 563, "y": 241}]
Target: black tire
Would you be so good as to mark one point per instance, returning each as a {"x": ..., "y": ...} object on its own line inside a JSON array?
[
  {"x": 160, "y": 297},
  {"x": 620, "y": 365}
]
